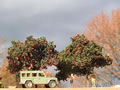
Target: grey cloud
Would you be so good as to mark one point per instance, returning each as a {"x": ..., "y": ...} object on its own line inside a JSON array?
[{"x": 58, "y": 20}]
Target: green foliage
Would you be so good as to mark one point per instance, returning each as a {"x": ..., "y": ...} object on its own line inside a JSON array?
[
  {"x": 33, "y": 54},
  {"x": 80, "y": 57}
]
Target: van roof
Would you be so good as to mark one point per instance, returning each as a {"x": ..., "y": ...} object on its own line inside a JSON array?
[{"x": 31, "y": 71}]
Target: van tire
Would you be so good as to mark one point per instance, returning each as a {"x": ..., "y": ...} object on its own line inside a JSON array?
[
  {"x": 52, "y": 84},
  {"x": 28, "y": 84}
]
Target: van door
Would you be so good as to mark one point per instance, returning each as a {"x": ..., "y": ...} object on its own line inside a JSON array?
[
  {"x": 35, "y": 78},
  {"x": 42, "y": 78}
]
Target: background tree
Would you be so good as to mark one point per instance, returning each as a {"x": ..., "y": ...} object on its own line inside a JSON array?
[
  {"x": 33, "y": 54},
  {"x": 3, "y": 53},
  {"x": 3, "y": 49},
  {"x": 80, "y": 58},
  {"x": 8, "y": 79},
  {"x": 105, "y": 30}
]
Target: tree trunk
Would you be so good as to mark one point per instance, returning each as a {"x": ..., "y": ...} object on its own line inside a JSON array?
[{"x": 88, "y": 82}]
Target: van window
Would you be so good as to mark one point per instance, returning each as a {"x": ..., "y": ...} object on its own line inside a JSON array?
[
  {"x": 28, "y": 74},
  {"x": 23, "y": 74},
  {"x": 34, "y": 74},
  {"x": 41, "y": 75}
]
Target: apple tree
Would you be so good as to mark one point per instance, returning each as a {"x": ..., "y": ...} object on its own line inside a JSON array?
[
  {"x": 32, "y": 54},
  {"x": 80, "y": 58}
]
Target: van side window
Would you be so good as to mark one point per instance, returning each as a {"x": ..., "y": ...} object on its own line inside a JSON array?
[
  {"x": 23, "y": 74},
  {"x": 41, "y": 74},
  {"x": 34, "y": 74},
  {"x": 28, "y": 74}
]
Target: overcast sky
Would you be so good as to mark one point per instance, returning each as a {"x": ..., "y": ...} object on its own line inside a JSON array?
[{"x": 57, "y": 20}]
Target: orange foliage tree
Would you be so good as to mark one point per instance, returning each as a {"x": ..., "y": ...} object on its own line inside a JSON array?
[
  {"x": 105, "y": 31},
  {"x": 8, "y": 79}
]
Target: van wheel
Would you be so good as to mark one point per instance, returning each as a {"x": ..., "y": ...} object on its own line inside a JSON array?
[
  {"x": 52, "y": 84},
  {"x": 28, "y": 84}
]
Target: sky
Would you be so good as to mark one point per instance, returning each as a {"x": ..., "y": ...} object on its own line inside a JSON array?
[{"x": 57, "y": 20}]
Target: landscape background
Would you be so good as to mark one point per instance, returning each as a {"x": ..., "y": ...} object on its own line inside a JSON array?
[{"x": 57, "y": 20}]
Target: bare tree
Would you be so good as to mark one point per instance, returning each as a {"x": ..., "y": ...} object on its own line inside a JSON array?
[
  {"x": 105, "y": 30},
  {"x": 8, "y": 79}
]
